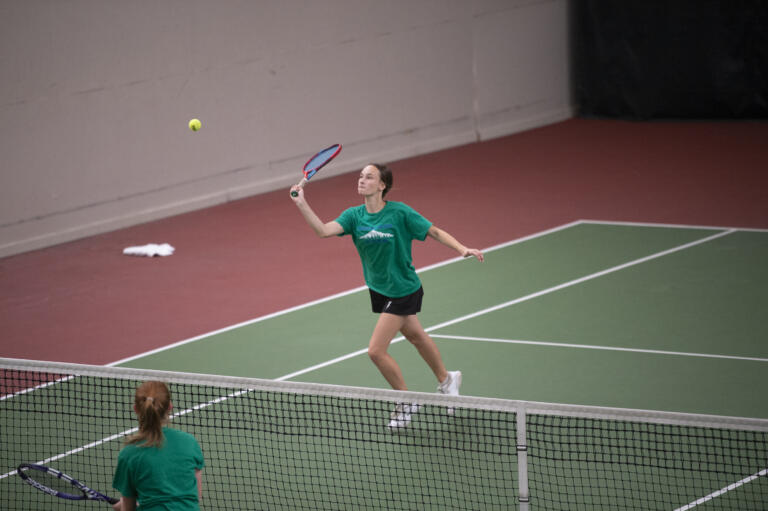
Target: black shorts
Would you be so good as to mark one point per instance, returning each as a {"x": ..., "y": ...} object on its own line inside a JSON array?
[{"x": 404, "y": 306}]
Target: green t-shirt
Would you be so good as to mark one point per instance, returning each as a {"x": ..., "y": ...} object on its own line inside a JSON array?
[
  {"x": 383, "y": 241},
  {"x": 161, "y": 478}
]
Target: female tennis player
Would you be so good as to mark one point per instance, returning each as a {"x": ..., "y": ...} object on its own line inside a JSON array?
[
  {"x": 383, "y": 232},
  {"x": 159, "y": 467}
]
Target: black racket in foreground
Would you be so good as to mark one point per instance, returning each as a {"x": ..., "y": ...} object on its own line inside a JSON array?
[
  {"x": 58, "y": 484},
  {"x": 317, "y": 162}
]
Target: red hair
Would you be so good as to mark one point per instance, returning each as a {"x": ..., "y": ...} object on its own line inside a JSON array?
[{"x": 152, "y": 404}]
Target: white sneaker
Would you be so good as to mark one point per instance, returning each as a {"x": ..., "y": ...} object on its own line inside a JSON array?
[
  {"x": 401, "y": 416},
  {"x": 451, "y": 387}
]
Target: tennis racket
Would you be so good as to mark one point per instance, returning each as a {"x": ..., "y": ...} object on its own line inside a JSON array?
[
  {"x": 317, "y": 162},
  {"x": 58, "y": 484}
]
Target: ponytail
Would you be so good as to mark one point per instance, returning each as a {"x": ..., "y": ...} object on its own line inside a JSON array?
[{"x": 152, "y": 404}]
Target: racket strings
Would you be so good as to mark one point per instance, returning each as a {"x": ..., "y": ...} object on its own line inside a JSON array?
[{"x": 52, "y": 481}]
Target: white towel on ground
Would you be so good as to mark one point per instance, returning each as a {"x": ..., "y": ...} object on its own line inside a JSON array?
[{"x": 150, "y": 250}]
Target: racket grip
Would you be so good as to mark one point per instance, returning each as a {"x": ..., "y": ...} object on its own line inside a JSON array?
[{"x": 301, "y": 184}]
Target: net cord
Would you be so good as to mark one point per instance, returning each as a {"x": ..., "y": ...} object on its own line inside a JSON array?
[{"x": 494, "y": 404}]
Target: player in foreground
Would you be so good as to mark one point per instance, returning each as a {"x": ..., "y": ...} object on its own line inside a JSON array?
[
  {"x": 383, "y": 232},
  {"x": 160, "y": 466}
]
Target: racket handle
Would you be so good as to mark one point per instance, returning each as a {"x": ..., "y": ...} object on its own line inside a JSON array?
[{"x": 301, "y": 184}]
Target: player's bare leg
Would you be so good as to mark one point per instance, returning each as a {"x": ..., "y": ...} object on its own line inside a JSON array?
[
  {"x": 416, "y": 335},
  {"x": 386, "y": 328}
]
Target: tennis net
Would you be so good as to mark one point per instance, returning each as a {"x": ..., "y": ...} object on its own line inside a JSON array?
[{"x": 284, "y": 445}]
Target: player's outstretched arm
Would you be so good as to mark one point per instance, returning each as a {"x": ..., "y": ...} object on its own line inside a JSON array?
[{"x": 451, "y": 242}]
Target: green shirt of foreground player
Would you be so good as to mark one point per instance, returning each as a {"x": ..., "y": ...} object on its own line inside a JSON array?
[
  {"x": 383, "y": 232},
  {"x": 160, "y": 467}
]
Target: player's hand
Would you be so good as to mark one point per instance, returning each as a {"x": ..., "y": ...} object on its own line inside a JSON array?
[
  {"x": 299, "y": 193},
  {"x": 473, "y": 252}
]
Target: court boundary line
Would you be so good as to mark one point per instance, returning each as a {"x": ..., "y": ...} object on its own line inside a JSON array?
[
  {"x": 557, "y": 288},
  {"x": 507, "y": 304},
  {"x": 521, "y": 299},
  {"x": 724, "y": 490},
  {"x": 446, "y": 262},
  {"x": 597, "y": 347},
  {"x": 333, "y": 297},
  {"x": 121, "y": 434},
  {"x": 672, "y": 226}
]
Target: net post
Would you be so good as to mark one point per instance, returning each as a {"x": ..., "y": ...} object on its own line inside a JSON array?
[{"x": 522, "y": 460}]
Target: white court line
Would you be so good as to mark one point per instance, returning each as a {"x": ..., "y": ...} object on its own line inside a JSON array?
[
  {"x": 434, "y": 327},
  {"x": 331, "y": 297},
  {"x": 263, "y": 318},
  {"x": 523, "y": 299},
  {"x": 672, "y": 226},
  {"x": 127, "y": 432},
  {"x": 728, "y": 230},
  {"x": 723, "y": 491},
  {"x": 76, "y": 450},
  {"x": 444, "y": 263},
  {"x": 41, "y": 386},
  {"x": 597, "y": 347}
]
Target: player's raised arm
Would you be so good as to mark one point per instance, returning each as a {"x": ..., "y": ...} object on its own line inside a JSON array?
[{"x": 322, "y": 229}]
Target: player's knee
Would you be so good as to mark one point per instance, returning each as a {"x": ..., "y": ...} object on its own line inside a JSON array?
[
  {"x": 416, "y": 338},
  {"x": 376, "y": 354}
]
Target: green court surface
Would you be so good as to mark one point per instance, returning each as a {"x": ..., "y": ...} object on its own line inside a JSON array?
[
  {"x": 629, "y": 316},
  {"x": 651, "y": 317}
]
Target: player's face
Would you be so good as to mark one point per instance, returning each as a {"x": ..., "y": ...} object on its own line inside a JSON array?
[{"x": 369, "y": 182}]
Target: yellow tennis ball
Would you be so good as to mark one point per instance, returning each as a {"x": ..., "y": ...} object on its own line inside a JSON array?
[{"x": 195, "y": 124}]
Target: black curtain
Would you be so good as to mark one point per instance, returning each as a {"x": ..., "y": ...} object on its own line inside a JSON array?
[{"x": 689, "y": 59}]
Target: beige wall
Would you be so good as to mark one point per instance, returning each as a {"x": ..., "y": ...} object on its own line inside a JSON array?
[{"x": 95, "y": 96}]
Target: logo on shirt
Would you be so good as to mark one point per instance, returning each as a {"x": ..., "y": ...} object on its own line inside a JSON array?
[{"x": 374, "y": 234}]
